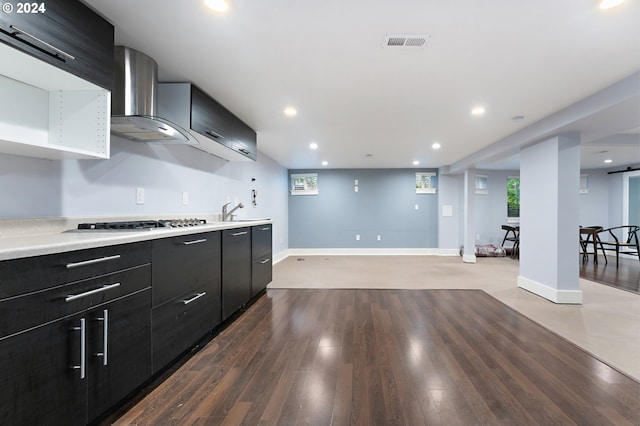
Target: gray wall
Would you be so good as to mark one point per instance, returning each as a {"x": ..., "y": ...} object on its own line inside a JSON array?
[
  {"x": 491, "y": 208},
  {"x": 594, "y": 205},
  {"x": 602, "y": 205},
  {"x": 450, "y": 228},
  {"x": 34, "y": 188},
  {"x": 384, "y": 205}
]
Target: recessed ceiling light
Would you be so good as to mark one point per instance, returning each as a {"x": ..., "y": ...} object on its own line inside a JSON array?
[
  {"x": 435, "y": 145},
  {"x": 217, "y": 5},
  {"x": 313, "y": 145},
  {"x": 608, "y": 160},
  {"x": 325, "y": 163},
  {"x": 416, "y": 162},
  {"x": 477, "y": 110},
  {"x": 608, "y": 4},
  {"x": 290, "y": 111}
]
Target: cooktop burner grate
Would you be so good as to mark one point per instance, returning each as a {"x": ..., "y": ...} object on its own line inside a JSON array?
[{"x": 141, "y": 224}]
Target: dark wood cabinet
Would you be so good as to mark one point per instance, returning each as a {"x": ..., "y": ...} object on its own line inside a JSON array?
[
  {"x": 245, "y": 139},
  {"x": 38, "y": 384},
  {"x": 186, "y": 293},
  {"x": 216, "y": 129},
  {"x": 122, "y": 329},
  {"x": 236, "y": 269},
  {"x": 210, "y": 118},
  {"x": 261, "y": 258},
  {"x": 64, "y": 33},
  {"x": 70, "y": 349}
]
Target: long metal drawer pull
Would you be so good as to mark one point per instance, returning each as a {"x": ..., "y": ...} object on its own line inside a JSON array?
[
  {"x": 215, "y": 135},
  {"x": 105, "y": 336},
  {"x": 73, "y": 297},
  {"x": 194, "y": 298},
  {"x": 237, "y": 234},
  {"x": 188, "y": 243},
  {"x": 55, "y": 49},
  {"x": 265, "y": 229},
  {"x": 92, "y": 261},
  {"x": 83, "y": 348},
  {"x": 264, "y": 261}
]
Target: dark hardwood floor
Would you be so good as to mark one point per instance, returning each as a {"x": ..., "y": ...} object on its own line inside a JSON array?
[
  {"x": 626, "y": 276},
  {"x": 388, "y": 357}
]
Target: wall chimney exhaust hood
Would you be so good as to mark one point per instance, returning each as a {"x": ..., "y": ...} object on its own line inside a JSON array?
[{"x": 134, "y": 101}]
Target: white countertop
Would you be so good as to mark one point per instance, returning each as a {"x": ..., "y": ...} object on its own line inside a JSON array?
[{"x": 48, "y": 239}]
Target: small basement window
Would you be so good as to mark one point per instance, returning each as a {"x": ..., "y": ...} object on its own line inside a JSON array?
[
  {"x": 513, "y": 199},
  {"x": 584, "y": 184},
  {"x": 425, "y": 183},
  {"x": 482, "y": 184},
  {"x": 304, "y": 184}
]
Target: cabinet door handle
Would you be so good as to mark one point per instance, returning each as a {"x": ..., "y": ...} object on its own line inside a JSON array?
[
  {"x": 72, "y": 297},
  {"x": 237, "y": 234},
  {"x": 265, "y": 229},
  {"x": 188, "y": 243},
  {"x": 194, "y": 298},
  {"x": 92, "y": 261},
  {"x": 244, "y": 151},
  {"x": 105, "y": 336},
  {"x": 215, "y": 135},
  {"x": 83, "y": 347},
  {"x": 44, "y": 43},
  {"x": 264, "y": 261}
]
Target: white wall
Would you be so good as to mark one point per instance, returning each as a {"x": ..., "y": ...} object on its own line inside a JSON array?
[{"x": 34, "y": 188}]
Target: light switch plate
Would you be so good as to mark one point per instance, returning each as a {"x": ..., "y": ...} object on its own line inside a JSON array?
[{"x": 139, "y": 195}]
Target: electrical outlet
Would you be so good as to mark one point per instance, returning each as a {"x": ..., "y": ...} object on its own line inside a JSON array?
[
  {"x": 185, "y": 198},
  {"x": 417, "y": 206},
  {"x": 355, "y": 189},
  {"x": 139, "y": 195},
  {"x": 357, "y": 237},
  {"x": 379, "y": 238},
  {"x": 356, "y": 182}
]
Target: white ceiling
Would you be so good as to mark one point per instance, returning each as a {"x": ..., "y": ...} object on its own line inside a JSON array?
[{"x": 371, "y": 106}]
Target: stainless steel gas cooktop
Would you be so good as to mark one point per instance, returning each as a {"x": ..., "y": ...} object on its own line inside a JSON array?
[{"x": 139, "y": 225}]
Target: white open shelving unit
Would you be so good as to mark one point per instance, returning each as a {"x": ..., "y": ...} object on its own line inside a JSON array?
[{"x": 46, "y": 112}]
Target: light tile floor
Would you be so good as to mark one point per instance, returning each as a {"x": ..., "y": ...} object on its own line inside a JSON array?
[{"x": 607, "y": 324}]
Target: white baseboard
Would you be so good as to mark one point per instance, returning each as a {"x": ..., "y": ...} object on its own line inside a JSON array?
[
  {"x": 279, "y": 257},
  {"x": 448, "y": 252},
  {"x": 570, "y": 297},
  {"x": 374, "y": 252}
]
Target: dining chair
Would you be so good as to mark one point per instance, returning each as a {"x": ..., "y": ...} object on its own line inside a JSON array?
[
  {"x": 512, "y": 234},
  {"x": 622, "y": 239}
]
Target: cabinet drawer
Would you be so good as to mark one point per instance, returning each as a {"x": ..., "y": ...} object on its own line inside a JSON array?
[
  {"x": 30, "y": 310},
  {"x": 261, "y": 240},
  {"x": 261, "y": 274},
  {"x": 180, "y": 323},
  {"x": 31, "y": 274},
  {"x": 184, "y": 265},
  {"x": 67, "y": 35}
]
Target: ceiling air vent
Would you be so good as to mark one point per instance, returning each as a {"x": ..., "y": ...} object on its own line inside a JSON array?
[{"x": 405, "y": 40}]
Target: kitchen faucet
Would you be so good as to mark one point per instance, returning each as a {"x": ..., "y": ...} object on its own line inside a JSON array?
[{"x": 228, "y": 215}]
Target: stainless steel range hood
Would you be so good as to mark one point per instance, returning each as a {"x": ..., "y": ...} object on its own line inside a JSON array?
[{"x": 134, "y": 101}]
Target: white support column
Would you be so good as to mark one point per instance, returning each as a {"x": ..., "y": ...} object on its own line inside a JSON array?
[
  {"x": 468, "y": 255},
  {"x": 549, "y": 223}
]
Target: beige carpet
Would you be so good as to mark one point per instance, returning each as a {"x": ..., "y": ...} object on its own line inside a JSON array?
[{"x": 607, "y": 324}]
